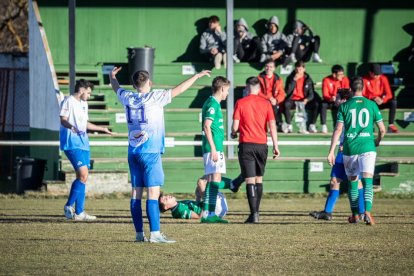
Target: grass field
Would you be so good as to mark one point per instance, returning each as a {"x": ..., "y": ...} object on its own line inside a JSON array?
[{"x": 36, "y": 239}]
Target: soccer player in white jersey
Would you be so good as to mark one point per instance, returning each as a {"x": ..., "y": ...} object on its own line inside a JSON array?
[
  {"x": 145, "y": 117},
  {"x": 357, "y": 116},
  {"x": 74, "y": 142}
]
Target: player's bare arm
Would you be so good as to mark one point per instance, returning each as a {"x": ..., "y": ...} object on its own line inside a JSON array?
[
  {"x": 334, "y": 141},
  {"x": 182, "y": 87},
  {"x": 112, "y": 78},
  {"x": 381, "y": 133},
  {"x": 64, "y": 121},
  {"x": 94, "y": 127},
  {"x": 273, "y": 135},
  {"x": 235, "y": 128},
  {"x": 209, "y": 136}
]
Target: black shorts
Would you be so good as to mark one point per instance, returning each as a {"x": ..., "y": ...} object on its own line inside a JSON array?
[{"x": 252, "y": 159}]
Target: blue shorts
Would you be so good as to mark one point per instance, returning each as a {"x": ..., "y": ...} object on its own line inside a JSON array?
[
  {"x": 338, "y": 171},
  {"x": 79, "y": 158},
  {"x": 146, "y": 169}
]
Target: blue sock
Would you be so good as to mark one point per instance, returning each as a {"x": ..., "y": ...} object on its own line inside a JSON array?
[
  {"x": 136, "y": 213},
  {"x": 80, "y": 200},
  {"x": 361, "y": 201},
  {"x": 153, "y": 213},
  {"x": 75, "y": 189},
  {"x": 331, "y": 200}
]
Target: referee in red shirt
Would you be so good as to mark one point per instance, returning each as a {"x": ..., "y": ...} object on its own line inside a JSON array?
[{"x": 252, "y": 117}]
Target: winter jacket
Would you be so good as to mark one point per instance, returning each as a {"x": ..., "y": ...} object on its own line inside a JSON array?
[
  {"x": 278, "y": 91},
  {"x": 330, "y": 86},
  {"x": 305, "y": 38},
  {"x": 212, "y": 39},
  {"x": 379, "y": 87},
  {"x": 308, "y": 89}
]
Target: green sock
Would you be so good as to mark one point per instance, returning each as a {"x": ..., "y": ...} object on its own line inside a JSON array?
[
  {"x": 369, "y": 193},
  {"x": 353, "y": 196},
  {"x": 225, "y": 183},
  {"x": 210, "y": 196}
]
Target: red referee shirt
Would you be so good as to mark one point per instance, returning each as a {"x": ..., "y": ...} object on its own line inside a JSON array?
[{"x": 254, "y": 113}]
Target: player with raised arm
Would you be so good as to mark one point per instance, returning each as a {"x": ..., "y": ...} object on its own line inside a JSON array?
[
  {"x": 338, "y": 174},
  {"x": 74, "y": 142},
  {"x": 145, "y": 118},
  {"x": 357, "y": 117},
  {"x": 212, "y": 146}
]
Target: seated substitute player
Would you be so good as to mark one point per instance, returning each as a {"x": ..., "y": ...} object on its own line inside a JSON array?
[
  {"x": 356, "y": 117},
  {"x": 338, "y": 173},
  {"x": 271, "y": 88},
  {"x": 330, "y": 85},
  {"x": 190, "y": 209},
  {"x": 145, "y": 117},
  {"x": 377, "y": 89},
  {"x": 212, "y": 146},
  {"x": 74, "y": 142}
]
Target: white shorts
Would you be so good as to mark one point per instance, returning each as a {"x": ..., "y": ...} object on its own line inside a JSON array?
[
  {"x": 360, "y": 163},
  {"x": 211, "y": 167}
]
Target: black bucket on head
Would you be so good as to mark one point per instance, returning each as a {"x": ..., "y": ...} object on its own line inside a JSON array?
[{"x": 140, "y": 59}]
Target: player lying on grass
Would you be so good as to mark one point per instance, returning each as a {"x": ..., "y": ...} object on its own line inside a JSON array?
[
  {"x": 338, "y": 174},
  {"x": 190, "y": 209}
]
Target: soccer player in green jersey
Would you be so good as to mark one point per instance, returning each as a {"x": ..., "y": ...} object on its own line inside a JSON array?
[
  {"x": 212, "y": 146},
  {"x": 358, "y": 116}
]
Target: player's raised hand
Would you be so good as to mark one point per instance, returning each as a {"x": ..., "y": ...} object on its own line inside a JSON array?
[
  {"x": 331, "y": 159},
  {"x": 204, "y": 73},
  {"x": 276, "y": 153},
  {"x": 115, "y": 71}
]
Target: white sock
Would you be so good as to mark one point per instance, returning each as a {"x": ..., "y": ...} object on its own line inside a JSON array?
[
  {"x": 204, "y": 214},
  {"x": 155, "y": 233}
]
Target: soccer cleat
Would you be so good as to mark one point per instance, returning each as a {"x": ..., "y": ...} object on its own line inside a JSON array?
[
  {"x": 235, "y": 184},
  {"x": 392, "y": 129},
  {"x": 353, "y": 219},
  {"x": 253, "y": 218},
  {"x": 321, "y": 215},
  {"x": 213, "y": 219},
  {"x": 369, "y": 219},
  {"x": 160, "y": 238},
  {"x": 140, "y": 237},
  {"x": 84, "y": 217},
  {"x": 316, "y": 58},
  {"x": 324, "y": 129},
  {"x": 69, "y": 211},
  {"x": 312, "y": 128}
]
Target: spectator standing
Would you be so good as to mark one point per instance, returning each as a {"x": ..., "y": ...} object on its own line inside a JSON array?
[
  {"x": 213, "y": 42},
  {"x": 377, "y": 88},
  {"x": 330, "y": 86}
]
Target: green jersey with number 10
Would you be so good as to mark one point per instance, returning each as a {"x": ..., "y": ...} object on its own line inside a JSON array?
[{"x": 358, "y": 115}]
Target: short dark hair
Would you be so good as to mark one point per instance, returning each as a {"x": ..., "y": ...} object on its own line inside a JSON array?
[
  {"x": 337, "y": 68},
  {"x": 267, "y": 61},
  {"x": 299, "y": 63},
  {"x": 252, "y": 81},
  {"x": 214, "y": 19},
  {"x": 82, "y": 83},
  {"x": 139, "y": 78},
  {"x": 345, "y": 93},
  {"x": 219, "y": 82},
  {"x": 357, "y": 84},
  {"x": 375, "y": 68},
  {"x": 160, "y": 204}
]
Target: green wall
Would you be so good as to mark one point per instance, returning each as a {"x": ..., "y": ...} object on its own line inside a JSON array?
[{"x": 351, "y": 31}]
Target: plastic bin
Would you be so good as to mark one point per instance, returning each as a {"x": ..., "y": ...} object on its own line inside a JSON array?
[
  {"x": 29, "y": 173},
  {"x": 141, "y": 59}
]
